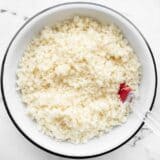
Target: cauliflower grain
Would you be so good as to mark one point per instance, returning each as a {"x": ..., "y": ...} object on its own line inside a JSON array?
[{"x": 69, "y": 77}]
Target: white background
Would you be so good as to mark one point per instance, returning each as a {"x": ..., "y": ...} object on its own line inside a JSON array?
[{"x": 145, "y": 14}]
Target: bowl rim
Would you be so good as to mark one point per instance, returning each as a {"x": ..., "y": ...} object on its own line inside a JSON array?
[{"x": 5, "y": 99}]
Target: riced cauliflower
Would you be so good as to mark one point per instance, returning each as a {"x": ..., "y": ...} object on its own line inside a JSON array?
[{"x": 70, "y": 76}]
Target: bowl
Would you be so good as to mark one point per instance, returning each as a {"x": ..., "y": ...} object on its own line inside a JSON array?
[{"x": 16, "y": 109}]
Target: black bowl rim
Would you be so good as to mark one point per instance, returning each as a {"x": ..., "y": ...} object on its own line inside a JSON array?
[{"x": 5, "y": 101}]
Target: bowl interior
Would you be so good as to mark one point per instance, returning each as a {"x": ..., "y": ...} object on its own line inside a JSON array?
[{"x": 17, "y": 109}]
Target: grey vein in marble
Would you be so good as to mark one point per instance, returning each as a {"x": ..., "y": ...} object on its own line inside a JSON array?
[
  {"x": 140, "y": 136},
  {"x": 2, "y": 11},
  {"x": 25, "y": 18}
]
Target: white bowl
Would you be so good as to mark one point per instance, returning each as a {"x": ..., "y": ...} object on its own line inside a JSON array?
[{"x": 12, "y": 100}]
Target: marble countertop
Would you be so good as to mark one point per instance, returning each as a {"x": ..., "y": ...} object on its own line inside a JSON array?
[{"x": 145, "y": 14}]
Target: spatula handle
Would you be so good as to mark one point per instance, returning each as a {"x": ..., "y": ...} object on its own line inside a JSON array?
[{"x": 150, "y": 120}]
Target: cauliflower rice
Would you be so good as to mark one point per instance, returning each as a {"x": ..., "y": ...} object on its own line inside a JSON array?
[{"x": 69, "y": 77}]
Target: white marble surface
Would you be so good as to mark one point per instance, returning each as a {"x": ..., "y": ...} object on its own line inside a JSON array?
[{"x": 145, "y": 14}]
